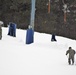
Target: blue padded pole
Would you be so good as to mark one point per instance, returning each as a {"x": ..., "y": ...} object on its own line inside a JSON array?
[{"x": 30, "y": 31}]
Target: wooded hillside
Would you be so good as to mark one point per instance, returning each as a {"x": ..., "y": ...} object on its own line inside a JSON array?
[{"x": 56, "y": 22}]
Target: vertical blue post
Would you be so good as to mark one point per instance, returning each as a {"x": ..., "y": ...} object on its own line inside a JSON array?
[
  {"x": 14, "y": 29},
  {"x": 30, "y": 31}
]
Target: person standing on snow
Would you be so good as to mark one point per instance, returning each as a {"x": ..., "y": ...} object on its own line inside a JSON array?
[{"x": 71, "y": 53}]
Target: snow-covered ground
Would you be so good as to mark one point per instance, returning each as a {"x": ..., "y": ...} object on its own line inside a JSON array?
[{"x": 42, "y": 57}]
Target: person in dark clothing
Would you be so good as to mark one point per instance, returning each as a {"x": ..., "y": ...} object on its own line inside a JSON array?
[
  {"x": 71, "y": 53},
  {"x": 53, "y": 38},
  {"x": 12, "y": 29}
]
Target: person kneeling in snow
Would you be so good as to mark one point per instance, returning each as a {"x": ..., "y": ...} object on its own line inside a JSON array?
[{"x": 71, "y": 53}]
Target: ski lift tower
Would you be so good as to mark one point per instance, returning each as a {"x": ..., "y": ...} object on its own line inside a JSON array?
[{"x": 30, "y": 30}]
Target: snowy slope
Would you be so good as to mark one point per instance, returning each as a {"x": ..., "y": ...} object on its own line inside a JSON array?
[{"x": 42, "y": 57}]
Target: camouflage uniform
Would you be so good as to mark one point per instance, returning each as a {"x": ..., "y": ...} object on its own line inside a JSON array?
[{"x": 71, "y": 53}]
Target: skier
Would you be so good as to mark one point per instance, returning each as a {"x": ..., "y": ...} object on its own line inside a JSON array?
[
  {"x": 71, "y": 53},
  {"x": 53, "y": 38}
]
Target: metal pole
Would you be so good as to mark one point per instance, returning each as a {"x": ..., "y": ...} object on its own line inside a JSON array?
[{"x": 32, "y": 14}]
